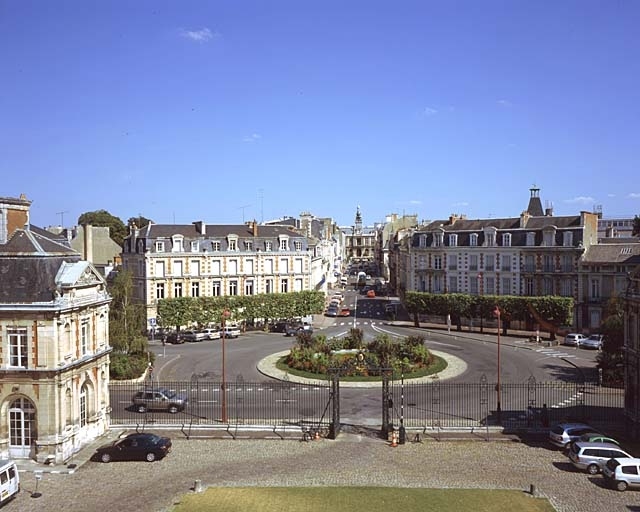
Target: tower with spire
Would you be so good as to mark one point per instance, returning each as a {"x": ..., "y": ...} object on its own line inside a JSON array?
[{"x": 357, "y": 228}]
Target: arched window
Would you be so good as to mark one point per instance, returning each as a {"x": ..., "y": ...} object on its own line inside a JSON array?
[
  {"x": 83, "y": 405},
  {"x": 22, "y": 427}
]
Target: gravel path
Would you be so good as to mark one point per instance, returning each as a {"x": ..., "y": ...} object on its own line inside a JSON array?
[{"x": 350, "y": 460}]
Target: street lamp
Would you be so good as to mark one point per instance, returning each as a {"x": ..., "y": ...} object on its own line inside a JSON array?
[
  {"x": 481, "y": 292},
  {"x": 496, "y": 312},
  {"x": 223, "y": 387}
]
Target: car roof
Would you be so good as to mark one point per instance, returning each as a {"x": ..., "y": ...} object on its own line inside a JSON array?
[
  {"x": 584, "y": 444},
  {"x": 627, "y": 460}
]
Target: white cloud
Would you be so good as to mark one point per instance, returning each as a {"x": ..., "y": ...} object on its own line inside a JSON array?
[
  {"x": 505, "y": 103},
  {"x": 252, "y": 138},
  {"x": 611, "y": 195},
  {"x": 580, "y": 200},
  {"x": 415, "y": 201},
  {"x": 428, "y": 111},
  {"x": 634, "y": 195},
  {"x": 201, "y": 36}
]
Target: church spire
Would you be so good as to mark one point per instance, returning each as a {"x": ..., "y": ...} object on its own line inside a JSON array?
[{"x": 358, "y": 225}]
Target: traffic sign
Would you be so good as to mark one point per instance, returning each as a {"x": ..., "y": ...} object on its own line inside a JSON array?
[{"x": 152, "y": 321}]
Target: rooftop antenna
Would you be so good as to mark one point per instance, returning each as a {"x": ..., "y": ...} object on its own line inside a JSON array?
[
  {"x": 261, "y": 197},
  {"x": 62, "y": 217},
  {"x": 242, "y": 208}
]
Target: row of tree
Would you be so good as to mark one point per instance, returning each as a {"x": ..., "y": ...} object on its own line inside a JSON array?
[{"x": 202, "y": 311}]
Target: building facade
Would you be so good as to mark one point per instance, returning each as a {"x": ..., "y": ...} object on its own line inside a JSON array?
[
  {"x": 54, "y": 342},
  {"x": 169, "y": 260},
  {"x": 360, "y": 241},
  {"x": 632, "y": 351},
  {"x": 533, "y": 254}
]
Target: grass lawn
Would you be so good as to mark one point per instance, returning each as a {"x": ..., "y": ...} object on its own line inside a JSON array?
[{"x": 358, "y": 499}]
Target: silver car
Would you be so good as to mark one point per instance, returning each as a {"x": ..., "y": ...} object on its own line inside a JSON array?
[
  {"x": 574, "y": 339},
  {"x": 622, "y": 473},
  {"x": 594, "y": 341},
  {"x": 591, "y": 457},
  {"x": 562, "y": 434}
]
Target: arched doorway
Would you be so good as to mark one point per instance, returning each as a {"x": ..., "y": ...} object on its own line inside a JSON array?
[{"x": 22, "y": 428}]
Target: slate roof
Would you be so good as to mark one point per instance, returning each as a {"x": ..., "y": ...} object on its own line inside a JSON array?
[
  {"x": 35, "y": 241},
  {"x": 620, "y": 253}
]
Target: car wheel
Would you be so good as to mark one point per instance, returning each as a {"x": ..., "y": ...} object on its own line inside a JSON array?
[
  {"x": 173, "y": 409},
  {"x": 593, "y": 469},
  {"x": 142, "y": 408},
  {"x": 621, "y": 485},
  {"x": 105, "y": 457},
  {"x": 150, "y": 457}
]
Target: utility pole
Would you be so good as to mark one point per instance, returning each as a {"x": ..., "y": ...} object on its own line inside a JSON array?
[
  {"x": 242, "y": 208},
  {"x": 62, "y": 217}
]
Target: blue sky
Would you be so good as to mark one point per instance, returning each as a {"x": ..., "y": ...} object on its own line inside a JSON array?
[{"x": 226, "y": 111}]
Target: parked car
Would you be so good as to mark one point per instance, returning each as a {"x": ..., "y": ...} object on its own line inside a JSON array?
[
  {"x": 562, "y": 434},
  {"x": 194, "y": 335},
  {"x": 622, "y": 473},
  {"x": 345, "y": 311},
  {"x": 231, "y": 331},
  {"x": 332, "y": 311},
  {"x": 159, "y": 400},
  {"x": 371, "y": 293},
  {"x": 595, "y": 341},
  {"x": 174, "y": 337},
  {"x": 212, "y": 334},
  {"x": 137, "y": 446},
  {"x": 574, "y": 339},
  {"x": 593, "y": 437},
  {"x": 591, "y": 457},
  {"x": 294, "y": 330}
]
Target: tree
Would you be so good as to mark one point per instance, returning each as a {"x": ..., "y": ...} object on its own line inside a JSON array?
[
  {"x": 636, "y": 226},
  {"x": 127, "y": 320},
  {"x": 139, "y": 221},
  {"x": 102, "y": 218}
]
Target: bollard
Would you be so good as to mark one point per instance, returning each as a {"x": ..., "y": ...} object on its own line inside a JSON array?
[
  {"x": 533, "y": 490},
  {"x": 197, "y": 486}
]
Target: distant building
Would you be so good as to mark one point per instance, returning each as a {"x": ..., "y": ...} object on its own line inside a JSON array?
[
  {"x": 360, "y": 241},
  {"x": 54, "y": 342},
  {"x": 632, "y": 351}
]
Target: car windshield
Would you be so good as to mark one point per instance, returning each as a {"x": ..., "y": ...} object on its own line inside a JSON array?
[{"x": 168, "y": 394}]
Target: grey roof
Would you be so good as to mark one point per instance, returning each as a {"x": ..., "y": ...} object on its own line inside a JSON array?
[
  {"x": 621, "y": 253},
  {"x": 35, "y": 241},
  {"x": 214, "y": 231}
]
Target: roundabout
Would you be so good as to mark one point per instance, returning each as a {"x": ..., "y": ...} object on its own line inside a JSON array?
[{"x": 267, "y": 366}]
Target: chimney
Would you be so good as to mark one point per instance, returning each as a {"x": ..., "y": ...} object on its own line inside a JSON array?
[
  {"x": 255, "y": 228},
  {"x": 201, "y": 227},
  {"x": 88, "y": 242},
  {"x": 14, "y": 214},
  {"x": 524, "y": 218},
  {"x": 453, "y": 218}
]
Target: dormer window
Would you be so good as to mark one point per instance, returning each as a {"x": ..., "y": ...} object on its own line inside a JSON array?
[
  {"x": 178, "y": 243},
  {"x": 215, "y": 246},
  {"x": 284, "y": 243},
  {"x": 194, "y": 246},
  {"x": 438, "y": 240},
  {"x": 531, "y": 239},
  {"x": 298, "y": 245},
  {"x": 159, "y": 246},
  {"x": 567, "y": 239},
  {"x": 268, "y": 246},
  {"x": 453, "y": 240},
  {"x": 473, "y": 239},
  {"x": 423, "y": 240},
  {"x": 248, "y": 245},
  {"x": 233, "y": 243},
  {"x": 506, "y": 239}
]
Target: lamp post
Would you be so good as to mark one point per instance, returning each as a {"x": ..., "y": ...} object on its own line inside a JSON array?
[
  {"x": 481, "y": 292},
  {"x": 496, "y": 312},
  {"x": 355, "y": 312},
  {"x": 223, "y": 387}
]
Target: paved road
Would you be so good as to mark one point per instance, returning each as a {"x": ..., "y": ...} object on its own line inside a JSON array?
[{"x": 351, "y": 460}]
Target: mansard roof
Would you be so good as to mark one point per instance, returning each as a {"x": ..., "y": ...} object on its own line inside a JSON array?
[
  {"x": 619, "y": 253},
  {"x": 216, "y": 231},
  {"x": 35, "y": 241}
]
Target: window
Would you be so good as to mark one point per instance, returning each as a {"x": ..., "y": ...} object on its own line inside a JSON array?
[
  {"x": 18, "y": 355},
  {"x": 529, "y": 263},
  {"x": 297, "y": 266},
  {"x": 215, "y": 268},
  {"x": 423, "y": 240},
  {"x": 453, "y": 240},
  {"x": 567, "y": 238},
  {"x": 268, "y": 246},
  {"x": 284, "y": 286},
  {"x": 248, "y": 245},
  {"x": 566, "y": 288},
  {"x": 159, "y": 290},
  {"x": 549, "y": 238},
  {"x": 84, "y": 336},
  {"x": 233, "y": 244},
  {"x": 473, "y": 262},
  {"x": 177, "y": 268},
  {"x": 567, "y": 263},
  {"x": 505, "y": 288},
  {"x": 215, "y": 246},
  {"x": 437, "y": 283},
  {"x": 473, "y": 286},
  {"x": 284, "y": 266},
  {"x": 195, "y": 289},
  {"x": 630, "y": 470},
  {"x": 453, "y": 262},
  {"x": 177, "y": 244},
  {"x": 547, "y": 263},
  {"x": 422, "y": 262},
  {"x": 248, "y": 287},
  {"x": 268, "y": 285},
  {"x": 298, "y": 245},
  {"x": 531, "y": 239},
  {"x": 505, "y": 262},
  {"x": 233, "y": 287},
  {"x": 297, "y": 285},
  {"x": 195, "y": 268},
  {"x": 490, "y": 239},
  {"x": 595, "y": 288},
  {"x": 159, "y": 246},
  {"x": 506, "y": 239},
  {"x": 490, "y": 262},
  {"x": 439, "y": 239},
  {"x": 177, "y": 289},
  {"x": 232, "y": 267},
  {"x": 159, "y": 270},
  {"x": 215, "y": 288},
  {"x": 194, "y": 246},
  {"x": 453, "y": 284},
  {"x": 268, "y": 266},
  {"x": 473, "y": 239},
  {"x": 248, "y": 267},
  {"x": 547, "y": 286},
  {"x": 284, "y": 244},
  {"x": 490, "y": 286},
  {"x": 529, "y": 286},
  {"x": 437, "y": 262},
  {"x": 83, "y": 405}
]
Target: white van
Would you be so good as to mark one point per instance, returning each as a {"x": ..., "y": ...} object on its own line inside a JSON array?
[{"x": 9, "y": 480}]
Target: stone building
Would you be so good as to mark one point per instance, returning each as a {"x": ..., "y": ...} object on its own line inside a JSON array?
[
  {"x": 54, "y": 349},
  {"x": 360, "y": 241}
]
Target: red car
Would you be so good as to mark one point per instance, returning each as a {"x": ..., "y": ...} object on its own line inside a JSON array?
[{"x": 345, "y": 311}]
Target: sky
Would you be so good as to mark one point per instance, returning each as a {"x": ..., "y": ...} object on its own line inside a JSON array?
[{"x": 229, "y": 111}]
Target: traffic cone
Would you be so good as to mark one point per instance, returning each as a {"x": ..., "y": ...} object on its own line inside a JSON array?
[
  {"x": 394, "y": 439},
  {"x": 317, "y": 436}
]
